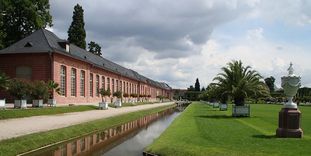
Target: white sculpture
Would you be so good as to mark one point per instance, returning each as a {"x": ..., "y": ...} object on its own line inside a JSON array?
[{"x": 290, "y": 84}]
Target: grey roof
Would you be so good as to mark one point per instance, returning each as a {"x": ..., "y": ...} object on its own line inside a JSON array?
[{"x": 43, "y": 41}]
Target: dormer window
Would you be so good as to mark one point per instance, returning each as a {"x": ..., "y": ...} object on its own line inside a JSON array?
[
  {"x": 64, "y": 45},
  {"x": 28, "y": 44}
]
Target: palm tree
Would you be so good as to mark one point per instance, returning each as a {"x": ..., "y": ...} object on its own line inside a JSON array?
[{"x": 239, "y": 82}]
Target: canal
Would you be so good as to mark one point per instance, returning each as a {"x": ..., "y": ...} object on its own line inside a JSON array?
[{"x": 128, "y": 139}]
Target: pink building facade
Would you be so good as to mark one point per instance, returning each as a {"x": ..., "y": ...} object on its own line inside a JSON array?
[{"x": 43, "y": 56}]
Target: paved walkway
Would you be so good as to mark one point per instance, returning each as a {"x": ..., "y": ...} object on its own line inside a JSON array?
[{"x": 21, "y": 126}]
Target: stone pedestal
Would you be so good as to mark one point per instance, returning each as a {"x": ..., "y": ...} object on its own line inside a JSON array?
[{"x": 289, "y": 123}]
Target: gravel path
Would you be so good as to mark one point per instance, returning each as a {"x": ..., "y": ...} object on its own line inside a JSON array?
[{"x": 11, "y": 128}]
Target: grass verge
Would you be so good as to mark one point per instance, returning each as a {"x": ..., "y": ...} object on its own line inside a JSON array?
[
  {"x": 28, "y": 142},
  {"x": 202, "y": 130},
  {"x": 20, "y": 113}
]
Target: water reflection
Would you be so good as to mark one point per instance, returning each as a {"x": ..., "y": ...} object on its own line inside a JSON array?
[
  {"x": 135, "y": 145},
  {"x": 126, "y": 139}
]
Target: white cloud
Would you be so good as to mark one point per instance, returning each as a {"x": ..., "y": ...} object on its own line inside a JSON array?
[{"x": 171, "y": 40}]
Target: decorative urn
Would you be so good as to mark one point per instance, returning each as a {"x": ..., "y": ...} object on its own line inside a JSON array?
[
  {"x": 290, "y": 116},
  {"x": 290, "y": 84}
]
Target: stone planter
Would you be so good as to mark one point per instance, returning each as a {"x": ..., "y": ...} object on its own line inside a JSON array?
[
  {"x": 37, "y": 103},
  {"x": 118, "y": 103},
  {"x": 20, "y": 104},
  {"x": 215, "y": 105},
  {"x": 103, "y": 105},
  {"x": 2, "y": 103},
  {"x": 241, "y": 110},
  {"x": 223, "y": 107},
  {"x": 52, "y": 102}
]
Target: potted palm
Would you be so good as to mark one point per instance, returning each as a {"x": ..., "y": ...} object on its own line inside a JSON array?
[
  {"x": 104, "y": 93},
  {"x": 19, "y": 89},
  {"x": 118, "y": 95},
  {"x": 52, "y": 87},
  {"x": 39, "y": 92},
  {"x": 239, "y": 82},
  {"x": 4, "y": 81}
]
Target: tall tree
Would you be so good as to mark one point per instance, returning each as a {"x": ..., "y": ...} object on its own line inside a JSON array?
[
  {"x": 197, "y": 85},
  {"x": 76, "y": 31},
  {"x": 270, "y": 83},
  {"x": 94, "y": 48},
  {"x": 19, "y": 18}
]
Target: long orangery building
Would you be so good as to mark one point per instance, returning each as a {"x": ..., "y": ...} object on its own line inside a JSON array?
[{"x": 80, "y": 74}]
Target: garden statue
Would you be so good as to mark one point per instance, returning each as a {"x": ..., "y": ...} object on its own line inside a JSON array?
[{"x": 289, "y": 116}]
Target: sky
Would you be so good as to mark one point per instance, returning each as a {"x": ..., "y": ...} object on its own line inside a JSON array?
[{"x": 178, "y": 41}]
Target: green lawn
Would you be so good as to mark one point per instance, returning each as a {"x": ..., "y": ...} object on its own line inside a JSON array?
[
  {"x": 25, "y": 143},
  {"x": 203, "y": 130},
  {"x": 19, "y": 113}
]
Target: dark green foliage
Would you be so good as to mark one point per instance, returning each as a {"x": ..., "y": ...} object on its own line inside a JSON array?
[
  {"x": 270, "y": 83},
  {"x": 240, "y": 82},
  {"x": 95, "y": 48},
  {"x": 19, "y": 89},
  {"x": 203, "y": 89},
  {"x": 192, "y": 95},
  {"x": 134, "y": 95},
  {"x": 20, "y": 18},
  {"x": 4, "y": 81},
  {"x": 53, "y": 86},
  {"x": 39, "y": 90},
  {"x": 191, "y": 88},
  {"x": 117, "y": 94},
  {"x": 197, "y": 85},
  {"x": 104, "y": 93},
  {"x": 76, "y": 31}
]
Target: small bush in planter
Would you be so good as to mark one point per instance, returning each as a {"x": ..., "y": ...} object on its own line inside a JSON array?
[
  {"x": 118, "y": 94},
  {"x": 52, "y": 87},
  {"x": 39, "y": 92},
  {"x": 125, "y": 95},
  {"x": 19, "y": 89},
  {"x": 104, "y": 93}
]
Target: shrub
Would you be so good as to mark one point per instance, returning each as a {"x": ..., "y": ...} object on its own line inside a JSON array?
[
  {"x": 104, "y": 93},
  {"x": 125, "y": 95},
  {"x": 134, "y": 95},
  {"x": 19, "y": 89},
  {"x": 39, "y": 90},
  {"x": 117, "y": 94},
  {"x": 4, "y": 81}
]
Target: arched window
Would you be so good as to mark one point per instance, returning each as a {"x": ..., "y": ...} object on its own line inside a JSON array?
[{"x": 24, "y": 72}]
